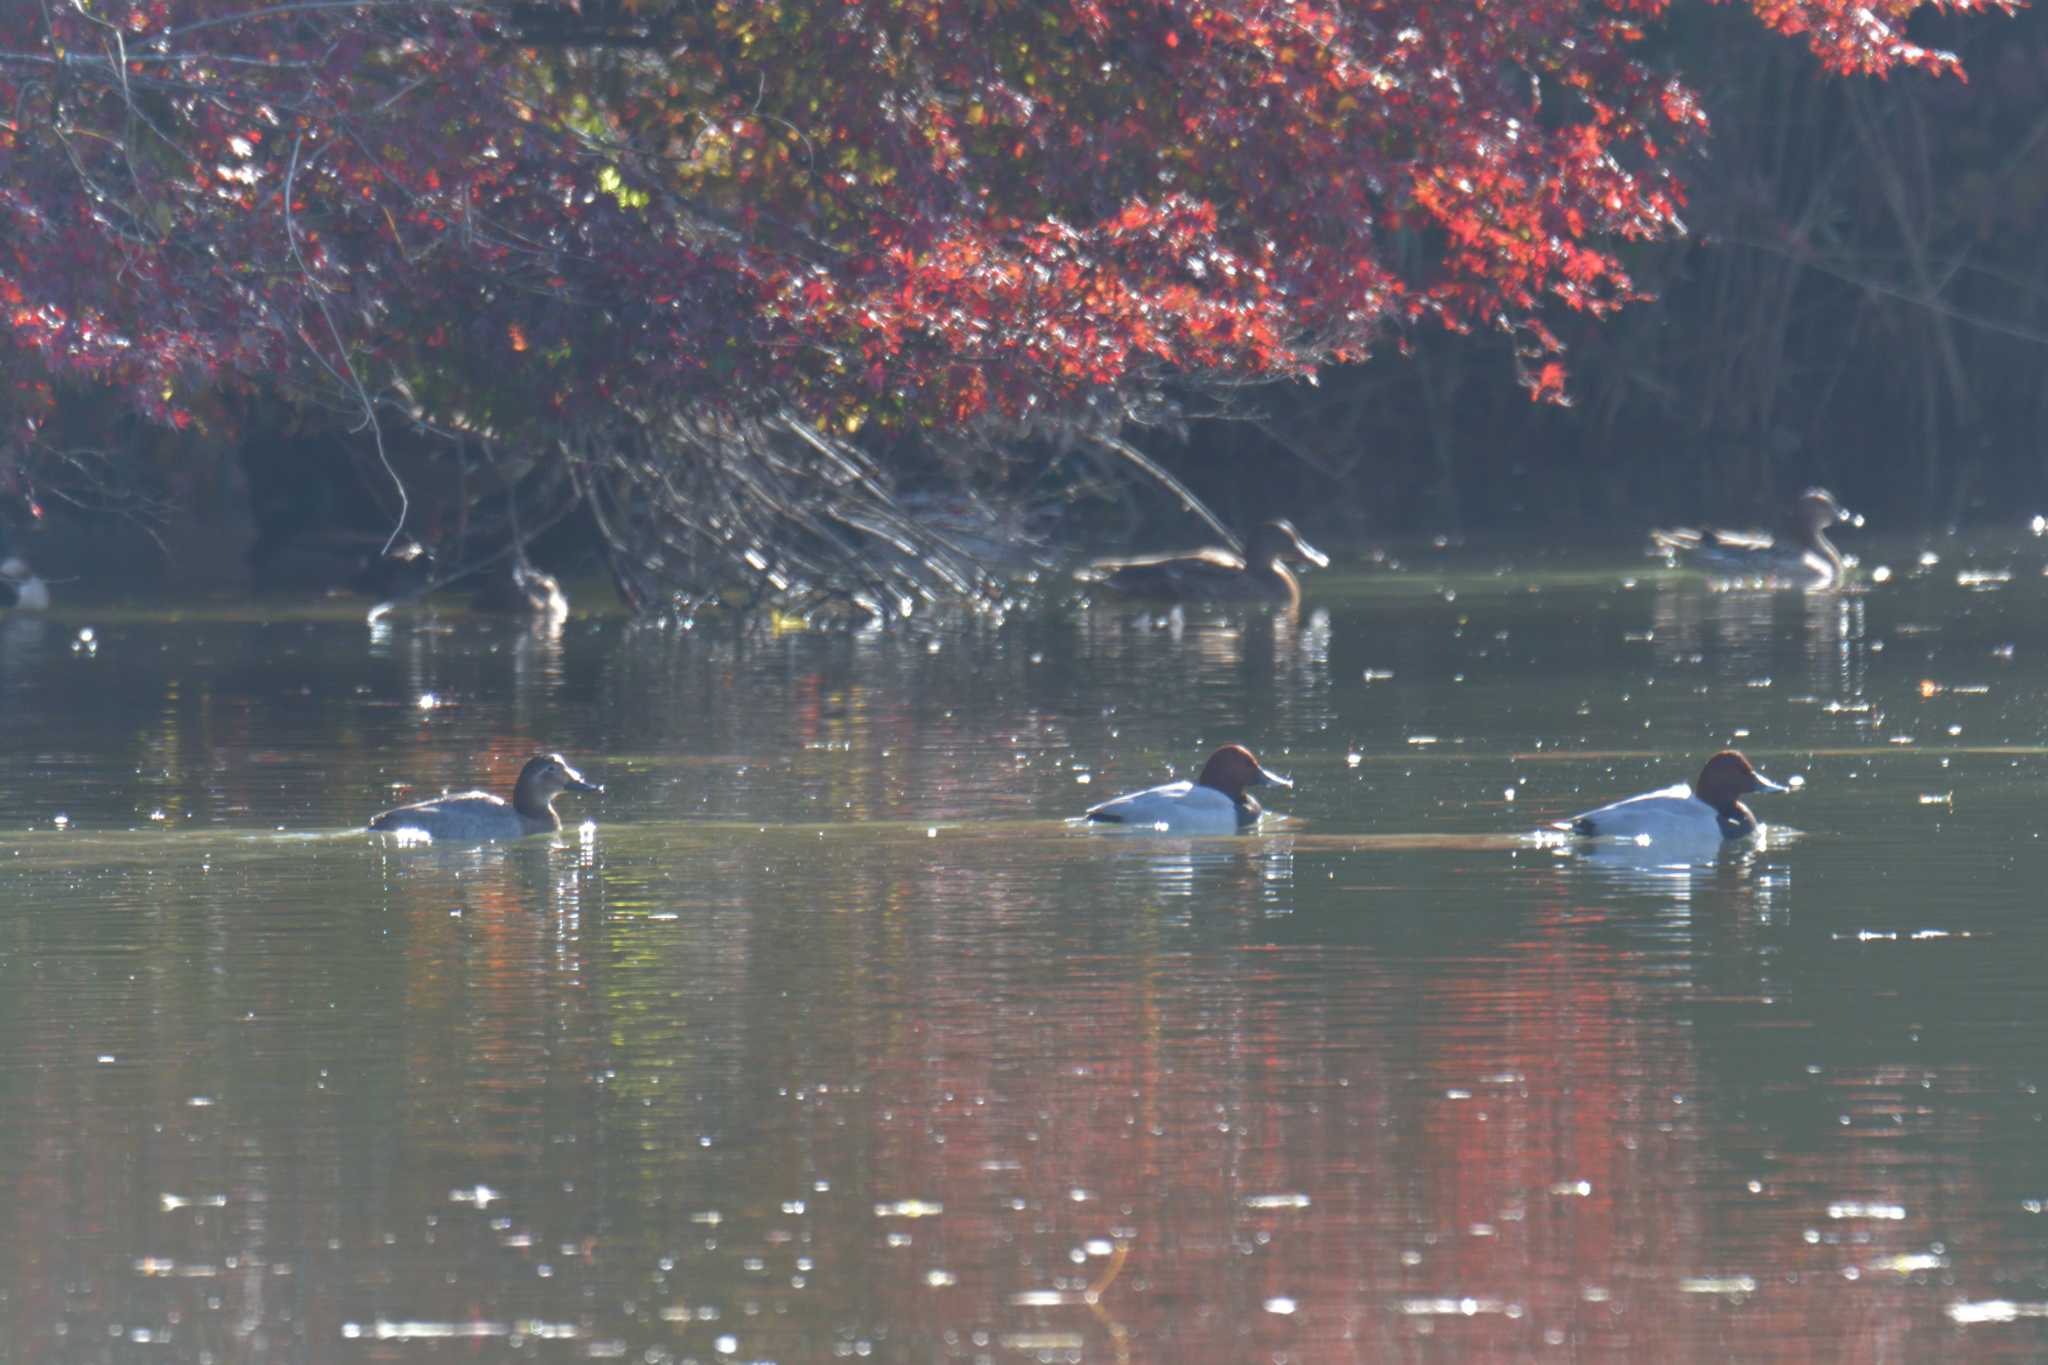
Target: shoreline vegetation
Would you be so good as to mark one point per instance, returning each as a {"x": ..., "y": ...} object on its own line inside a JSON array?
[{"x": 1843, "y": 283}]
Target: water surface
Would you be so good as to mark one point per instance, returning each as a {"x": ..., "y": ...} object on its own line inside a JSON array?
[{"x": 831, "y": 1038}]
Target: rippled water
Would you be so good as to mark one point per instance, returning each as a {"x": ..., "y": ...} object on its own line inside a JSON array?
[{"x": 829, "y": 1038}]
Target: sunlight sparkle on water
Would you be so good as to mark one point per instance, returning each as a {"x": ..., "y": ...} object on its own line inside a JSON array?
[
  {"x": 1717, "y": 1284},
  {"x": 1457, "y": 1308},
  {"x": 1909, "y": 1263},
  {"x": 1276, "y": 1201},
  {"x": 1995, "y": 1310}
]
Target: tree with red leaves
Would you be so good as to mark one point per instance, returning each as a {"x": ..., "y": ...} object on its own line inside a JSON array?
[{"x": 710, "y": 256}]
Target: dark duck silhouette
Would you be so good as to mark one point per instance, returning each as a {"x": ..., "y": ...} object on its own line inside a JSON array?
[
  {"x": 20, "y": 588},
  {"x": 1263, "y": 573},
  {"x": 521, "y": 590}
]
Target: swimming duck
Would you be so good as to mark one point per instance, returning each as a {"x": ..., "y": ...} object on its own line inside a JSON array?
[
  {"x": 1710, "y": 811},
  {"x": 20, "y": 588},
  {"x": 1262, "y": 573},
  {"x": 522, "y": 590},
  {"x": 479, "y": 815},
  {"x": 1214, "y": 803},
  {"x": 1802, "y": 557}
]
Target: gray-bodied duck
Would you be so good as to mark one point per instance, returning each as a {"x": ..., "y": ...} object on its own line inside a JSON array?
[
  {"x": 1800, "y": 556},
  {"x": 1263, "y": 573},
  {"x": 480, "y": 815}
]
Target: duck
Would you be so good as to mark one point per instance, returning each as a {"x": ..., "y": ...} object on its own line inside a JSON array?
[
  {"x": 1214, "y": 803},
  {"x": 1264, "y": 573},
  {"x": 480, "y": 815},
  {"x": 20, "y": 588},
  {"x": 1802, "y": 556},
  {"x": 522, "y": 590},
  {"x": 1708, "y": 812}
]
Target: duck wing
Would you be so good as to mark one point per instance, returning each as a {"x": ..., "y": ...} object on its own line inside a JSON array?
[
  {"x": 1177, "y": 807},
  {"x": 1213, "y": 558},
  {"x": 1172, "y": 575},
  {"x": 460, "y": 804},
  {"x": 1687, "y": 540},
  {"x": 1634, "y": 815}
]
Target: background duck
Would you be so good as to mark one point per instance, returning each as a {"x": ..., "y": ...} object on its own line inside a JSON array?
[
  {"x": 480, "y": 815},
  {"x": 1214, "y": 803},
  {"x": 1801, "y": 556},
  {"x": 521, "y": 590},
  {"x": 1710, "y": 811},
  {"x": 1263, "y": 573}
]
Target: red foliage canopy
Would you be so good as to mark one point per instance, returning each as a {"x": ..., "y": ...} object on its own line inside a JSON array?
[{"x": 871, "y": 211}]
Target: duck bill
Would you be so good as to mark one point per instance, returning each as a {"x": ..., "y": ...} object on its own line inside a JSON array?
[
  {"x": 577, "y": 783},
  {"x": 1851, "y": 518},
  {"x": 1268, "y": 778},
  {"x": 1311, "y": 554},
  {"x": 1764, "y": 784}
]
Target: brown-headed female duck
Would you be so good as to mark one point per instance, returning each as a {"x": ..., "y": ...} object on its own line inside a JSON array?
[{"x": 479, "y": 815}]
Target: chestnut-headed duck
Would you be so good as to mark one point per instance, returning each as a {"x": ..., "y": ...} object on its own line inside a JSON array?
[
  {"x": 1264, "y": 572},
  {"x": 1801, "y": 556},
  {"x": 479, "y": 815},
  {"x": 1708, "y": 812},
  {"x": 20, "y": 587},
  {"x": 1214, "y": 803}
]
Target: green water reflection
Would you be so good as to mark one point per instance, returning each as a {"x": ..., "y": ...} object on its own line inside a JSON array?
[{"x": 830, "y": 1038}]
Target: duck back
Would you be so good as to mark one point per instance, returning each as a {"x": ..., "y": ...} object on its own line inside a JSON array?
[{"x": 466, "y": 815}]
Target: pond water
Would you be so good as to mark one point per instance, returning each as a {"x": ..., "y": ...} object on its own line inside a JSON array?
[{"x": 829, "y": 1038}]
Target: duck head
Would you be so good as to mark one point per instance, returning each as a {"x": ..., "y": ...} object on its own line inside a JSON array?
[
  {"x": 1232, "y": 768},
  {"x": 1277, "y": 539},
  {"x": 1727, "y": 778},
  {"x": 1818, "y": 510},
  {"x": 545, "y": 777}
]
